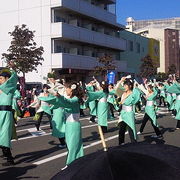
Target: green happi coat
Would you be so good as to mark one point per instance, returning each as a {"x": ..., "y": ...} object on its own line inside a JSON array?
[
  {"x": 73, "y": 134},
  {"x": 102, "y": 106},
  {"x": 175, "y": 88},
  {"x": 150, "y": 110},
  {"x": 58, "y": 122},
  {"x": 129, "y": 117},
  {"x": 162, "y": 92},
  {"x": 6, "y": 117},
  {"x": 16, "y": 96},
  {"x": 169, "y": 98},
  {"x": 112, "y": 100},
  {"x": 92, "y": 104}
]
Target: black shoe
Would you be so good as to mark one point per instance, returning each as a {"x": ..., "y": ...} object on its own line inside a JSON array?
[
  {"x": 8, "y": 163},
  {"x": 62, "y": 145},
  {"x": 92, "y": 120},
  {"x": 37, "y": 127}
]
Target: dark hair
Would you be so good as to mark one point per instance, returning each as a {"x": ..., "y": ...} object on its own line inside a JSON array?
[
  {"x": 150, "y": 87},
  {"x": 111, "y": 84},
  {"x": 78, "y": 91},
  {"x": 161, "y": 84},
  {"x": 46, "y": 86},
  {"x": 5, "y": 74},
  {"x": 169, "y": 82},
  {"x": 129, "y": 83},
  {"x": 105, "y": 87}
]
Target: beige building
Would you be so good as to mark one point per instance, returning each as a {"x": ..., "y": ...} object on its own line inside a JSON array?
[
  {"x": 166, "y": 31},
  {"x": 172, "y": 23}
]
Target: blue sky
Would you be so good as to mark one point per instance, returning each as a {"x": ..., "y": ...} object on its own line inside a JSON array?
[{"x": 147, "y": 9}]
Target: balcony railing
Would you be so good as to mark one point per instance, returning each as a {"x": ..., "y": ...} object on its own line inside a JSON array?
[
  {"x": 63, "y": 30},
  {"x": 64, "y": 60},
  {"x": 87, "y": 9}
]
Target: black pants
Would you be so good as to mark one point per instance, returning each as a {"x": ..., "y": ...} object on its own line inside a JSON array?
[
  {"x": 7, "y": 153},
  {"x": 32, "y": 111},
  {"x": 178, "y": 124},
  {"x": 92, "y": 118},
  {"x": 162, "y": 100},
  {"x": 111, "y": 107},
  {"x": 138, "y": 106},
  {"x": 104, "y": 129},
  {"x": 168, "y": 105},
  {"x": 62, "y": 141},
  {"x": 145, "y": 120},
  {"x": 174, "y": 112},
  {"x": 38, "y": 122},
  {"x": 122, "y": 130},
  {"x": 82, "y": 112}
]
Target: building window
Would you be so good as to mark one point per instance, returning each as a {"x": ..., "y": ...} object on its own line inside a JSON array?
[
  {"x": 137, "y": 47},
  {"x": 58, "y": 49},
  {"x": 131, "y": 46}
]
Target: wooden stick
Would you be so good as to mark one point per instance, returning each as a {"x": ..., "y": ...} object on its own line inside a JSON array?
[{"x": 102, "y": 138}]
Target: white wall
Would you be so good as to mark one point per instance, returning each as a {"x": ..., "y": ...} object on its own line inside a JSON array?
[
  {"x": 36, "y": 15},
  {"x": 159, "y": 35}
]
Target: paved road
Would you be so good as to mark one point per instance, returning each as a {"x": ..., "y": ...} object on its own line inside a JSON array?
[{"x": 37, "y": 155}]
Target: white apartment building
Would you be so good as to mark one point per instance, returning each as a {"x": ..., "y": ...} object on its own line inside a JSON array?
[{"x": 73, "y": 33}]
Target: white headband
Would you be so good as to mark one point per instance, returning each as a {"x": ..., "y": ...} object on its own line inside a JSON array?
[{"x": 73, "y": 86}]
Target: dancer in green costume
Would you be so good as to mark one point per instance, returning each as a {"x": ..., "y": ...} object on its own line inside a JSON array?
[
  {"x": 112, "y": 101},
  {"x": 8, "y": 83},
  {"x": 93, "y": 104},
  {"x": 169, "y": 97},
  {"x": 58, "y": 119},
  {"x": 175, "y": 88},
  {"x": 15, "y": 106},
  {"x": 127, "y": 116},
  {"x": 150, "y": 113},
  {"x": 42, "y": 108},
  {"x": 16, "y": 112},
  {"x": 58, "y": 124},
  {"x": 73, "y": 133},
  {"x": 162, "y": 95},
  {"x": 102, "y": 106}
]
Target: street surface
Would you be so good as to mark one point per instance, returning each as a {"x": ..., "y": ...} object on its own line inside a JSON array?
[{"x": 37, "y": 155}]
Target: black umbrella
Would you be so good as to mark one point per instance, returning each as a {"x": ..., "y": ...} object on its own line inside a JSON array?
[{"x": 129, "y": 162}]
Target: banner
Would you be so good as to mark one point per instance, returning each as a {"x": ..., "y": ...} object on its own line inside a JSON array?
[{"x": 111, "y": 77}]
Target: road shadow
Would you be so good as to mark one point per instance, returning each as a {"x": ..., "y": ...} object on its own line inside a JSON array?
[
  {"x": 35, "y": 155},
  {"x": 150, "y": 140},
  {"x": 95, "y": 136},
  {"x": 32, "y": 122},
  {"x": 14, "y": 172},
  {"x": 160, "y": 116},
  {"x": 163, "y": 130},
  {"x": 112, "y": 129}
]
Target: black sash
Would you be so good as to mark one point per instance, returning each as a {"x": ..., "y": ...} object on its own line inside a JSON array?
[{"x": 5, "y": 108}]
